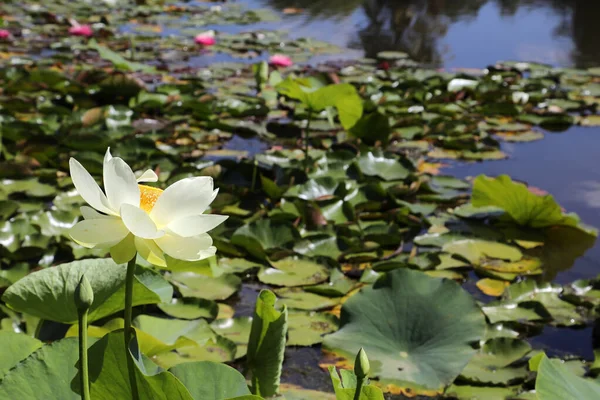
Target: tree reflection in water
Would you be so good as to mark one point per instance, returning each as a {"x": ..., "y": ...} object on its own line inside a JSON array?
[{"x": 417, "y": 26}]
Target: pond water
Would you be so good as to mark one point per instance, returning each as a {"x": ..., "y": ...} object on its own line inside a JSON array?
[
  {"x": 450, "y": 34},
  {"x": 475, "y": 34},
  {"x": 454, "y": 34}
]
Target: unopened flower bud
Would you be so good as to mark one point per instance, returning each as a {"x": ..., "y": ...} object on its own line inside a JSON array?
[
  {"x": 361, "y": 365},
  {"x": 84, "y": 294}
]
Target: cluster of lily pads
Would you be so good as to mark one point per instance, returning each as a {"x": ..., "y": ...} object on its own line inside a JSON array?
[{"x": 332, "y": 178}]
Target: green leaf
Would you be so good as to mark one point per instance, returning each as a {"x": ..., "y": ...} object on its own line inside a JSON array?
[
  {"x": 297, "y": 298},
  {"x": 478, "y": 251},
  {"x": 190, "y": 284},
  {"x": 321, "y": 188},
  {"x": 262, "y": 235},
  {"x": 345, "y": 390},
  {"x": 556, "y": 382},
  {"x": 190, "y": 308},
  {"x": 371, "y": 128},
  {"x": 235, "y": 329},
  {"x": 49, "y": 293},
  {"x": 294, "y": 271},
  {"x": 376, "y": 163},
  {"x": 109, "y": 379},
  {"x": 46, "y": 374},
  {"x": 491, "y": 363},
  {"x": 523, "y": 206},
  {"x": 118, "y": 60},
  {"x": 208, "y": 380},
  {"x": 463, "y": 392},
  {"x": 342, "y": 96},
  {"x": 266, "y": 345},
  {"x": 549, "y": 295},
  {"x": 17, "y": 346},
  {"x": 308, "y": 328},
  {"x": 418, "y": 331}
]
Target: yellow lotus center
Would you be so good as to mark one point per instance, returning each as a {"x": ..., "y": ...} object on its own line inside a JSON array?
[{"x": 148, "y": 197}]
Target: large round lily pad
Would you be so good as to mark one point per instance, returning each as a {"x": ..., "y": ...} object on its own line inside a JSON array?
[{"x": 417, "y": 330}]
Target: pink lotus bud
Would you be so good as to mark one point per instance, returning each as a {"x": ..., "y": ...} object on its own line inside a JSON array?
[
  {"x": 81, "y": 30},
  {"x": 4, "y": 34},
  {"x": 205, "y": 38},
  {"x": 279, "y": 60}
]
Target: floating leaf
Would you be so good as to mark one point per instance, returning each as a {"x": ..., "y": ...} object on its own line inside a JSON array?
[
  {"x": 556, "y": 382},
  {"x": 478, "y": 251},
  {"x": 375, "y": 163},
  {"x": 205, "y": 287},
  {"x": 424, "y": 349},
  {"x": 207, "y": 380},
  {"x": 294, "y": 271},
  {"x": 308, "y": 328},
  {"x": 491, "y": 363}
]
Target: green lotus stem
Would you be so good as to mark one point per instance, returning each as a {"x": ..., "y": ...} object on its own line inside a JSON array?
[
  {"x": 306, "y": 132},
  {"x": 84, "y": 379},
  {"x": 84, "y": 297},
  {"x": 127, "y": 331}
]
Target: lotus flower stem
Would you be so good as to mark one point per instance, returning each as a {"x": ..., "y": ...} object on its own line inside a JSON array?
[
  {"x": 83, "y": 356},
  {"x": 127, "y": 331},
  {"x": 84, "y": 297}
]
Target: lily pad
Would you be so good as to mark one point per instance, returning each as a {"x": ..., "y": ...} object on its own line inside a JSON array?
[
  {"x": 375, "y": 163},
  {"x": 294, "y": 271},
  {"x": 556, "y": 382},
  {"x": 205, "y": 287},
  {"x": 491, "y": 363},
  {"x": 478, "y": 251},
  {"x": 308, "y": 328},
  {"x": 445, "y": 316}
]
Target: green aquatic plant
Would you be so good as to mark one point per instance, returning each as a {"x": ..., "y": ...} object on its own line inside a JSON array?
[
  {"x": 355, "y": 385},
  {"x": 266, "y": 345},
  {"x": 342, "y": 96}
]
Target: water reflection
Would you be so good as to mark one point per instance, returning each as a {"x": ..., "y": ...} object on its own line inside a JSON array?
[{"x": 420, "y": 27}]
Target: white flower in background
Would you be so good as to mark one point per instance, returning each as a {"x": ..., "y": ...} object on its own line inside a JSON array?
[
  {"x": 132, "y": 217},
  {"x": 520, "y": 97}
]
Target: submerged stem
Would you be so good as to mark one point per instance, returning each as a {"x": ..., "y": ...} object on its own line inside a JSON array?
[
  {"x": 83, "y": 356},
  {"x": 127, "y": 331}
]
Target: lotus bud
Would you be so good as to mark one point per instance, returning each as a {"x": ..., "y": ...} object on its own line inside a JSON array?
[
  {"x": 84, "y": 294},
  {"x": 361, "y": 365}
]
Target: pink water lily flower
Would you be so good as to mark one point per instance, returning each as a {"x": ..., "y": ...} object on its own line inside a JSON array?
[
  {"x": 81, "y": 30},
  {"x": 205, "y": 38},
  {"x": 4, "y": 34},
  {"x": 279, "y": 60}
]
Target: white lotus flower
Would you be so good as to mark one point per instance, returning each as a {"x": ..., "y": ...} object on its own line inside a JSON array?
[{"x": 132, "y": 217}]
